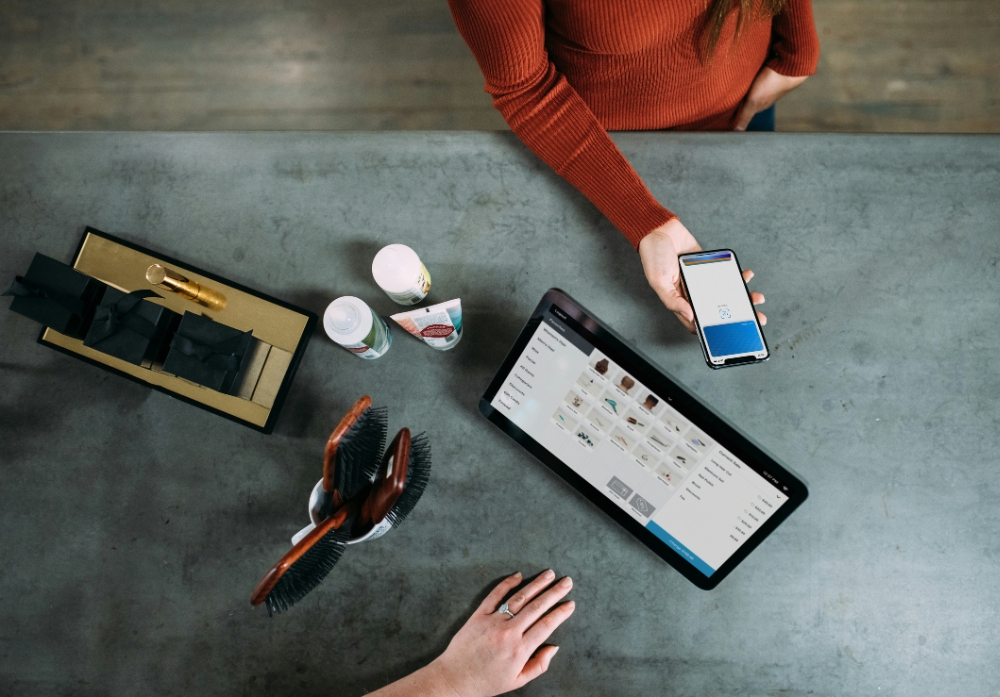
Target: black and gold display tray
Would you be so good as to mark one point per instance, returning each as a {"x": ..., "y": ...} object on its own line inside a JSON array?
[{"x": 283, "y": 331}]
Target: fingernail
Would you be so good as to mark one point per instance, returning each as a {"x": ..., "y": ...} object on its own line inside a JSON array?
[
  {"x": 554, "y": 652},
  {"x": 548, "y": 573},
  {"x": 566, "y": 582},
  {"x": 571, "y": 604},
  {"x": 516, "y": 574}
]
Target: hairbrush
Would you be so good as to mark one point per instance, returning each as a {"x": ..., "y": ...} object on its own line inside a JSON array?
[
  {"x": 399, "y": 483},
  {"x": 309, "y": 561},
  {"x": 352, "y": 454}
]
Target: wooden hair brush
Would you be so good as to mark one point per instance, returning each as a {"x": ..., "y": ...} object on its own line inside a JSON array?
[
  {"x": 352, "y": 454},
  {"x": 309, "y": 561},
  {"x": 399, "y": 483}
]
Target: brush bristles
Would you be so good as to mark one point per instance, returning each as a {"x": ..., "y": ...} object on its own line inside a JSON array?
[
  {"x": 308, "y": 571},
  {"x": 418, "y": 472},
  {"x": 360, "y": 451}
]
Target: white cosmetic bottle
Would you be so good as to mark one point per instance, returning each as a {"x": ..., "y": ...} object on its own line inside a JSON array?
[
  {"x": 352, "y": 324},
  {"x": 399, "y": 272}
]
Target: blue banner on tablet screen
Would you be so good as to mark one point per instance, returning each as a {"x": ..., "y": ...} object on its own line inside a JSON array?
[{"x": 726, "y": 317}]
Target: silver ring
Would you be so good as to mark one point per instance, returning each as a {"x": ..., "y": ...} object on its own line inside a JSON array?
[{"x": 505, "y": 610}]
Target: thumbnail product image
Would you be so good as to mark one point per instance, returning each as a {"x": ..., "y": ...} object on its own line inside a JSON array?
[
  {"x": 659, "y": 440},
  {"x": 626, "y": 383},
  {"x": 598, "y": 420},
  {"x": 650, "y": 402},
  {"x": 575, "y": 400},
  {"x": 622, "y": 439},
  {"x": 683, "y": 458},
  {"x": 612, "y": 404},
  {"x": 602, "y": 366},
  {"x": 674, "y": 423},
  {"x": 563, "y": 419},
  {"x": 584, "y": 438},
  {"x": 643, "y": 457},
  {"x": 697, "y": 440},
  {"x": 589, "y": 384},
  {"x": 636, "y": 420},
  {"x": 668, "y": 475}
]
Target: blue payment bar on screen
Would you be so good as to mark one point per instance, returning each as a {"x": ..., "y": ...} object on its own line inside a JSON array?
[{"x": 732, "y": 339}]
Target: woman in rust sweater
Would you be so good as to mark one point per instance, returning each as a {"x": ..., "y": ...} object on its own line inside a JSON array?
[{"x": 565, "y": 72}]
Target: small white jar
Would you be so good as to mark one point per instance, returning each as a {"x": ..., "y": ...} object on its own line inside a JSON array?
[
  {"x": 399, "y": 272},
  {"x": 352, "y": 324}
]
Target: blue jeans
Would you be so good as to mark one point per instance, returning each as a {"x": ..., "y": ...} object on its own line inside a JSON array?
[{"x": 762, "y": 120}]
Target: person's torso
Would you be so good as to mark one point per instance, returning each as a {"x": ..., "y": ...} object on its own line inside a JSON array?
[{"x": 638, "y": 65}]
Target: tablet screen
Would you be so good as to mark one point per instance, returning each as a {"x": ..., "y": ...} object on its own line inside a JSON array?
[{"x": 632, "y": 444}]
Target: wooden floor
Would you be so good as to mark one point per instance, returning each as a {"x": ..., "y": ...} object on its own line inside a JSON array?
[{"x": 920, "y": 65}]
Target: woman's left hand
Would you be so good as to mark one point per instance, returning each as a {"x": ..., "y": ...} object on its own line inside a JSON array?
[
  {"x": 767, "y": 88},
  {"x": 494, "y": 653}
]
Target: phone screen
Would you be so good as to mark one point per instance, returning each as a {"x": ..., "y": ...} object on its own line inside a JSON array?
[{"x": 726, "y": 319}]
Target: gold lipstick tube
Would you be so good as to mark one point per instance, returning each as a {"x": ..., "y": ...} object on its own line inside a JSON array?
[{"x": 163, "y": 277}]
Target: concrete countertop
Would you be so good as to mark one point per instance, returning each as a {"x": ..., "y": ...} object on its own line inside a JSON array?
[{"x": 134, "y": 526}]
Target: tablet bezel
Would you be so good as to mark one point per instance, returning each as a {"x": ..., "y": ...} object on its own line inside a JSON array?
[{"x": 666, "y": 387}]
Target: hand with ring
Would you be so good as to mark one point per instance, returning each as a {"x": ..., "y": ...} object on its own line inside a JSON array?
[{"x": 499, "y": 648}]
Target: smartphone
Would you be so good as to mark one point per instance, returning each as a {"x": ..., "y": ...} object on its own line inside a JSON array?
[{"x": 724, "y": 318}]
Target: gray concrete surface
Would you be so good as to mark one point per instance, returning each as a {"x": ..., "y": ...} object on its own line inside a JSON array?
[{"x": 134, "y": 527}]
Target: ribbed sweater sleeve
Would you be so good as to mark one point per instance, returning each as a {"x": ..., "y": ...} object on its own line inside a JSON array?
[
  {"x": 507, "y": 38},
  {"x": 794, "y": 42}
]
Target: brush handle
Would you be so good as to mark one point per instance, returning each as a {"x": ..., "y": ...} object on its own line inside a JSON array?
[
  {"x": 389, "y": 483},
  {"x": 341, "y": 516},
  {"x": 330, "y": 454}
]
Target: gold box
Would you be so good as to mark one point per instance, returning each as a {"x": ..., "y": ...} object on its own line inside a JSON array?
[{"x": 282, "y": 329}]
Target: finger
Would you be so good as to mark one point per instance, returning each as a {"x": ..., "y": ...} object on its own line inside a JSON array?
[
  {"x": 489, "y": 605},
  {"x": 757, "y": 298},
  {"x": 543, "y": 603},
  {"x": 543, "y": 628},
  {"x": 762, "y": 318},
  {"x": 747, "y": 275},
  {"x": 747, "y": 112},
  {"x": 536, "y": 665},
  {"x": 524, "y": 596}
]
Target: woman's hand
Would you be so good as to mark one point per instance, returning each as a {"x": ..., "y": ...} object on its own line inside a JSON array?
[
  {"x": 659, "y": 251},
  {"x": 767, "y": 88},
  {"x": 494, "y": 653}
]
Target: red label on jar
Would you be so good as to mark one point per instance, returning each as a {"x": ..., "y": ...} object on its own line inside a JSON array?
[
  {"x": 436, "y": 331},
  {"x": 358, "y": 349}
]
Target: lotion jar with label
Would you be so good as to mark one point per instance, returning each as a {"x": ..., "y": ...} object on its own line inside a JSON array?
[
  {"x": 352, "y": 324},
  {"x": 399, "y": 272}
]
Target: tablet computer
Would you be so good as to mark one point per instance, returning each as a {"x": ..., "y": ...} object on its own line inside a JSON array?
[{"x": 633, "y": 440}]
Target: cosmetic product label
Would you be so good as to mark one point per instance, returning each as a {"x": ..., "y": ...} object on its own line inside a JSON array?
[
  {"x": 439, "y": 326},
  {"x": 374, "y": 345},
  {"x": 411, "y": 296},
  {"x": 437, "y": 330}
]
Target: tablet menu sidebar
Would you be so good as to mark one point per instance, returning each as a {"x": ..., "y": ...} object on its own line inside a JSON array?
[{"x": 547, "y": 365}]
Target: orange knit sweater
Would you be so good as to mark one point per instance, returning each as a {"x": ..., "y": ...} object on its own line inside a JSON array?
[{"x": 564, "y": 72}]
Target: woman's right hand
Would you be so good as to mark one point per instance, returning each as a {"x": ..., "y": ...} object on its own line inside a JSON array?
[
  {"x": 659, "y": 251},
  {"x": 494, "y": 653}
]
